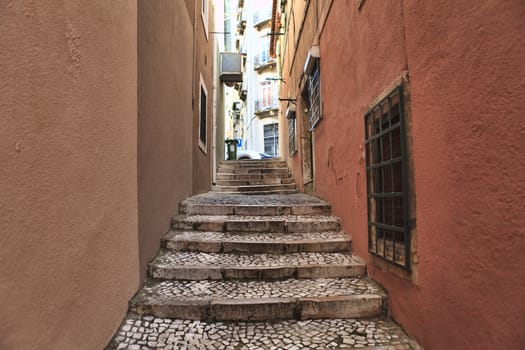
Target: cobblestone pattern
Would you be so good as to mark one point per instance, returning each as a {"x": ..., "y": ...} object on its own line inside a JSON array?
[
  {"x": 291, "y": 288},
  {"x": 254, "y": 218},
  {"x": 173, "y": 258},
  {"x": 147, "y": 332},
  {"x": 258, "y": 237},
  {"x": 298, "y": 199}
]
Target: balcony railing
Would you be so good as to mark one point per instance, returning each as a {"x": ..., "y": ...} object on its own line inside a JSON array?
[
  {"x": 262, "y": 105},
  {"x": 261, "y": 61}
]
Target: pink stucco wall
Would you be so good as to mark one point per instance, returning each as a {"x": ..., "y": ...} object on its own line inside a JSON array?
[
  {"x": 465, "y": 63},
  {"x": 68, "y": 207}
]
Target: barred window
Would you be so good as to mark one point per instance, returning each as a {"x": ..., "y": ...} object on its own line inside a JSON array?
[
  {"x": 387, "y": 180},
  {"x": 314, "y": 94}
]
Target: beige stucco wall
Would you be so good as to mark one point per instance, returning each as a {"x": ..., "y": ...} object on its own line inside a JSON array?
[
  {"x": 202, "y": 158},
  {"x": 68, "y": 207},
  {"x": 165, "y": 43}
]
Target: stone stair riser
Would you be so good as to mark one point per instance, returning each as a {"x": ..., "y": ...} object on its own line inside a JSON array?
[
  {"x": 253, "y": 188},
  {"x": 266, "y": 308},
  {"x": 250, "y": 177},
  {"x": 254, "y": 210},
  {"x": 250, "y": 166},
  {"x": 256, "y": 171},
  {"x": 259, "y": 193},
  {"x": 257, "y": 247},
  {"x": 255, "y": 182},
  {"x": 258, "y": 226},
  {"x": 256, "y": 272}
]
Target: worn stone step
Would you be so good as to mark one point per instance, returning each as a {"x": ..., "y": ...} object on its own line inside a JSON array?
[
  {"x": 253, "y": 161},
  {"x": 253, "y": 188},
  {"x": 251, "y": 177},
  {"x": 270, "y": 243},
  {"x": 245, "y": 165},
  {"x": 256, "y": 170},
  {"x": 149, "y": 332},
  {"x": 198, "y": 266},
  {"x": 265, "y": 193},
  {"x": 259, "y": 223},
  {"x": 267, "y": 181},
  {"x": 213, "y": 203},
  {"x": 261, "y": 300}
]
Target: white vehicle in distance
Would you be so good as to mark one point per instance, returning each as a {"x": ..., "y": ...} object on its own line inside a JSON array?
[{"x": 248, "y": 154}]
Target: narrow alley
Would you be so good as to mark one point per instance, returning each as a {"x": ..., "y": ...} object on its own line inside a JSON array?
[{"x": 262, "y": 174}]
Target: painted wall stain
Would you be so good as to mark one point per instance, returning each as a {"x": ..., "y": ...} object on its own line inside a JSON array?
[{"x": 332, "y": 168}]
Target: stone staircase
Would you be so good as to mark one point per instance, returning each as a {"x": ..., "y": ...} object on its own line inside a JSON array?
[
  {"x": 272, "y": 271},
  {"x": 254, "y": 177}
]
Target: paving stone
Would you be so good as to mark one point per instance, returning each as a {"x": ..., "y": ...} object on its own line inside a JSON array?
[
  {"x": 297, "y": 199},
  {"x": 198, "y": 265},
  {"x": 256, "y": 181},
  {"x": 284, "y": 334},
  {"x": 260, "y": 300},
  {"x": 272, "y": 243},
  {"x": 256, "y": 223},
  {"x": 253, "y": 188}
]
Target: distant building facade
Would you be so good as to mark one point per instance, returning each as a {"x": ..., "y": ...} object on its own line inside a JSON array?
[{"x": 261, "y": 125}]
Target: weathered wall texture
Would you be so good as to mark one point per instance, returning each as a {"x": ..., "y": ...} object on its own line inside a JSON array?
[
  {"x": 466, "y": 84},
  {"x": 203, "y": 67},
  {"x": 165, "y": 58},
  {"x": 68, "y": 241}
]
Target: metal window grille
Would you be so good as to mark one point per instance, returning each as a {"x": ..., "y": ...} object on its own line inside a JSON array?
[
  {"x": 271, "y": 138},
  {"x": 314, "y": 90},
  {"x": 292, "y": 147},
  {"x": 387, "y": 180}
]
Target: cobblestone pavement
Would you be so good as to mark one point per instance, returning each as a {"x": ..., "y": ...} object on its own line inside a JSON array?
[
  {"x": 171, "y": 258},
  {"x": 239, "y": 199},
  {"x": 148, "y": 332},
  {"x": 252, "y": 218},
  {"x": 258, "y": 237},
  {"x": 236, "y": 289}
]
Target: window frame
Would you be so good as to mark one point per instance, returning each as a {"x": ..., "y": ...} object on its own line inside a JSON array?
[
  {"x": 203, "y": 143},
  {"x": 374, "y": 151},
  {"x": 205, "y": 16},
  {"x": 314, "y": 96},
  {"x": 274, "y": 137}
]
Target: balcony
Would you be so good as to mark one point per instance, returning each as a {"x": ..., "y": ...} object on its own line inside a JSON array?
[
  {"x": 262, "y": 62},
  {"x": 263, "y": 109}
]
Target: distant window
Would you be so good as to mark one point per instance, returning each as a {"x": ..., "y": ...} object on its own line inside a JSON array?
[
  {"x": 271, "y": 138},
  {"x": 314, "y": 95},
  {"x": 387, "y": 184},
  {"x": 203, "y": 120},
  {"x": 263, "y": 54},
  {"x": 204, "y": 14},
  {"x": 268, "y": 94}
]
